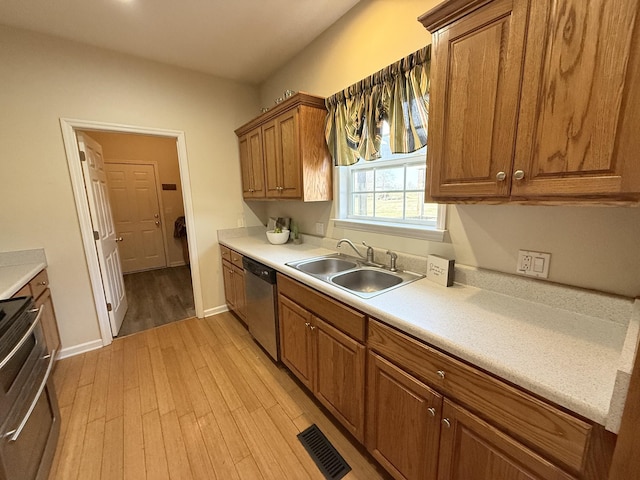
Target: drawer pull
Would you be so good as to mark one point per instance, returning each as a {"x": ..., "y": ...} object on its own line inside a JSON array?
[
  {"x": 307, "y": 324},
  {"x": 446, "y": 422},
  {"x": 432, "y": 411},
  {"x": 441, "y": 374}
]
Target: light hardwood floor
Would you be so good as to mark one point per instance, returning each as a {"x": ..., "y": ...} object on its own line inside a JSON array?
[{"x": 191, "y": 399}]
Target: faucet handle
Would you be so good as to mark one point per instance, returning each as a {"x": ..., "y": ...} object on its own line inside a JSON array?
[{"x": 392, "y": 263}]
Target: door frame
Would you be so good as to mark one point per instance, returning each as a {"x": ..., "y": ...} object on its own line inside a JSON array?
[
  {"x": 69, "y": 127},
  {"x": 156, "y": 177}
]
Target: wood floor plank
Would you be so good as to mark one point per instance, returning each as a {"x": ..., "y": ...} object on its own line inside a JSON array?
[
  {"x": 177, "y": 458},
  {"x": 246, "y": 394},
  {"x": 155, "y": 456},
  {"x": 175, "y": 382},
  {"x": 151, "y": 338},
  {"x": 280, "y": 449},
  {"x": 206, "y": 333},
  {"x": 191, "y": 345},
  {"x": 73, "y": 368},
  {"x": 279, "y": 372},
  {"x": 260, "y": 451},
  {"x": 91, "y": 457},
  {"x": 60, "y": 371},
  {"x": 221, "y": 379},
  {"x": 247, "y": 468},
  {"x": 201, "y": 466},
  {"x": 100, "y": 386},
  {"x": 216, "y": 446},
  {"x": 250, "y": 376},
  {"x": 221, "y": 335},
  {"x": 194, "y": 391},
  {"x": 115, "y": 389},
  {"x": 233, "y": 439},
  {"x": 163, "y": 382},
  {"x": 237, "y": 334},
  {"x": 88, "y": 372},
  {"x": 148, "y": 397},
  {"x": 130, "y": 363},
  {"x": 113, "y": 450},
  {"x": 134, "y": 445},
  {"x": 71, "y": 446},
  {"x": 193, "y": 325}
]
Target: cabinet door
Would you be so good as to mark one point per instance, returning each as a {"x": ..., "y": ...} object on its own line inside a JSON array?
[
  {"x": 48, "y": 321},
  {"x": 295, "y": 340},
  {"x": 229, "y": 287},
  {"x": 403, "y": 421},
  {"x": 475, "y": 87},
  {"x": 339, "y": 378},
  {"x": 251, "y": 164},
  {"x": 239, "y": 293},
  {"x": 282, "y": 156},
  {"x": 573, "y": 97},
  {"x": 471, "y": 449}
]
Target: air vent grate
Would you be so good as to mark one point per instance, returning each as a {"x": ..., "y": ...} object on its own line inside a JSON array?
[{"x": 327, "y": 458}]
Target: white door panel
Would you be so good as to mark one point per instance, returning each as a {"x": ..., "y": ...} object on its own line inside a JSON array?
[{"x": 95, "y": 179}]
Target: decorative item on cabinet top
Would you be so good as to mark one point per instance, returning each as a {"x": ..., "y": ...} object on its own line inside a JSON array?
[{"x": 283, "y": 153}]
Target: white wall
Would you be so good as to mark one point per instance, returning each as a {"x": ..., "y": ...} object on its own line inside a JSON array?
[
  {"x": 592, "y": 247},
  {"x": 42, "y": 79}
]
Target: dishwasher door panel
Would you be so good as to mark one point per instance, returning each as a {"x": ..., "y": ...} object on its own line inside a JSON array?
[{"x": 261, "y": 313}]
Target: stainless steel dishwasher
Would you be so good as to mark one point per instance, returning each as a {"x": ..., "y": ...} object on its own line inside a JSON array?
[{"x": 261, "y": 309}]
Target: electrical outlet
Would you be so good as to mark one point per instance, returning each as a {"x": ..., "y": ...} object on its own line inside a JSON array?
[
  {"x": 533, "y": 264},
  {"x": 319, "y": 228}
]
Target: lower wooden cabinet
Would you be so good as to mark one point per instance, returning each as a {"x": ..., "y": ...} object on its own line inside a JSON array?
[
  {"x": 403, "y": 421},
  {"x": 326, "y": 360},
  {"x": 233, "y": 277},
  {"x": 471, "y": 449}
]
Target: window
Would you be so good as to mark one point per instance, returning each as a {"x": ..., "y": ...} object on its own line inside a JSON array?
[{"x": 387, "y": 195}]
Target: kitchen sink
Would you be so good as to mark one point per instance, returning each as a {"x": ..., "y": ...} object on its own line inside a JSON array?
[
  {"x": 353, "y": 274},
  {"x": 326, "y": 266}
]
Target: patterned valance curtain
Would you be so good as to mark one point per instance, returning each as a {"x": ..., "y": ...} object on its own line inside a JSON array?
[{"x": 398, "y": 94}]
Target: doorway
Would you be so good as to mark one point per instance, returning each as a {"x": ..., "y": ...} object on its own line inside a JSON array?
[{"x": 69, "y": 129}]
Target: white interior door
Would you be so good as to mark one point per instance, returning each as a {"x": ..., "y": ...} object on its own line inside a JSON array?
[
  {"x": 95, "y": 179},
  {"x": 136, "y": 213}
]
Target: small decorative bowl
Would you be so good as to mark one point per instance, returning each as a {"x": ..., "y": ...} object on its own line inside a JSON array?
[{"x": 278, "y": 238}]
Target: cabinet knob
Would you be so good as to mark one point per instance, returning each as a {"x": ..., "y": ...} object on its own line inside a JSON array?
[
  {"x": 307, "y": 324},
  {"x": 119, "y": 239},
  {"x": 446, "y": 422},
  {"x": 500, "y": 176},
  {"x": 440, "y": 374},
  {"x": 312, "y": 327},
  {"x": 518, "y": 174},
  {"x": 432, "y": 411},
  {"x": 43, "y": 283}
]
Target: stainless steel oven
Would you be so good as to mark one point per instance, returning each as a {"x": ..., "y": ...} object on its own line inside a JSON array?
[{"x": 29, "y": 417}]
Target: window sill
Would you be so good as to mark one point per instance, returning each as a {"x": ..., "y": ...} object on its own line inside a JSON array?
[{"x": 399, "y": 230}]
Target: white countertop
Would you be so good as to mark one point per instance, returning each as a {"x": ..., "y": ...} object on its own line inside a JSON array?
[
  {"x": 568, "y": 358},
  {"x": 18, "y": 268}
]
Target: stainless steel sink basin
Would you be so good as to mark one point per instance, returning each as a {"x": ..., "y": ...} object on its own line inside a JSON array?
[
  {"x": 353, "y": 274},
  {"x": 366, "y": 280},
  {"x": 326, "y": 266}
]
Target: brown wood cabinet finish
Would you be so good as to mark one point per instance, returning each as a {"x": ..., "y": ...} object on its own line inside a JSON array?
[
  {"x": 234, "y": 282},
  {"x": 471, "y": 449},
  {"x": 323, "y": 355},
  {"x": 559, "y": 435},
  {"x": 574, "y": 93},
  {"x": 403, "y": 421},
  {"x": 292, "y": 158}
]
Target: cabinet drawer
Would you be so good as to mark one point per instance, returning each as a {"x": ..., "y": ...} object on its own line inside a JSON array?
[
  {"x": 23, "y": 292},
  {"x": 337, "y": 314},
  {"x": 39, "y": 284},
  {"x": 236, "y": 259},
  {"x": 225, "y": 253},
  {"x": 523, "y": 416}
]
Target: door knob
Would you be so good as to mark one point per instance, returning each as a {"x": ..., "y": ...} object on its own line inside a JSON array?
[{"x": 119, "y": 239}]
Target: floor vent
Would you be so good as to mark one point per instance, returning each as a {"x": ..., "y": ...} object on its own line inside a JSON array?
[{"x": 327, "y": 458}]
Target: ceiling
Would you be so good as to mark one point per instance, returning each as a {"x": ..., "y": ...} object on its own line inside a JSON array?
[{"x": 244, "y": 40}]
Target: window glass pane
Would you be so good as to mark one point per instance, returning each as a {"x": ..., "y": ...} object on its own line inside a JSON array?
[
  {"x": 363, "y": 180},
  {"x": 389, "y": 205},
  {"x": 414, "y": 209},
  {"x": 416, "y": 177},
  {"x": 362, "y": 204},
  {"x": 390, "y": 178}
]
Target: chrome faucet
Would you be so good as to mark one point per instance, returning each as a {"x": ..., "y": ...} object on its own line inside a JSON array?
[
  {"x": 368, "y": 259},
  {"x": 392, "y": 261}
]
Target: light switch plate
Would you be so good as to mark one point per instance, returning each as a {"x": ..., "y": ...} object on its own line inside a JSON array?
[
  {"x": 440, "y": 270},
  {"x": 533, "y": 264}
]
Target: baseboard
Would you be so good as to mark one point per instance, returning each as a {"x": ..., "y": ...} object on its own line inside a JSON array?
[
  {"x": 209, "y": 312},
  {"x": 78, "y": 349}
]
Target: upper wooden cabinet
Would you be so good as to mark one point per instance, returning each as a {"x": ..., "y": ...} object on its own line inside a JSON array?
[
  {"x": 534, "y": 101},
  {"x": 283, "y": 154}
]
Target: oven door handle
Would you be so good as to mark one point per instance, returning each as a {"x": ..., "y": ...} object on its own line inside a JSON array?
[
  {"x": 25, "y": 337},
  {"x": 14, "y": 434}
]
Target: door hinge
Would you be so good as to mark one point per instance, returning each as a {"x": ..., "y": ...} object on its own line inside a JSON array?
[
  {"x": 96, "y": 235},
  {"x": 83, "y": 157},
  {"x": 109, "y": 307}
]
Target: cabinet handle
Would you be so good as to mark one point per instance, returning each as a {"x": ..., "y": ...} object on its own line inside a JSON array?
[
  {"x": 43, "y": 283},
  {"x": 119, "y": 239},
  {"x": 312, "y": 327},
  {"x": 446, "y": 422},
  {"x": 500, "y": 176},
  {"x": 307, "y": 324},
  {"x": 519, "y": 174},
  {"x": 432, "y": 411},
  {"x": 440, "y": 374}
]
